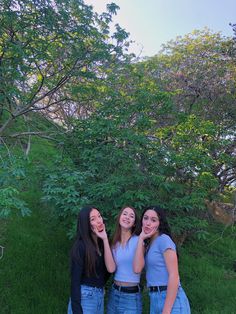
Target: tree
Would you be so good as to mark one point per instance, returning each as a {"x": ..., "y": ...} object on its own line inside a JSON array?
[
  {"x": 124, "y": 154},
  {"x": 199, "y": 71},
  {"x": 51, "y": 54}
]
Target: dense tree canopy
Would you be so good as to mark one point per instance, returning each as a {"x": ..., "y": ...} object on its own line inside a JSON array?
[
  {"x": 51, "y": 53},
  {"x": 200, "y": 73},
  {"x": 136, "y": 133}
]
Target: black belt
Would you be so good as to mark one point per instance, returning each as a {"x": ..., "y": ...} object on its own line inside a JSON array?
[
  {"x": 127, "y": 289},
  {"x": 157, "y": 288}
]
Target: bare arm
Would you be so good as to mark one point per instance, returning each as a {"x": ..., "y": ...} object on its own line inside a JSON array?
[
  {"x": 173, "y": 282},
  {"x": 139, "y": 261},
  {"x": 108, "y": 257}
]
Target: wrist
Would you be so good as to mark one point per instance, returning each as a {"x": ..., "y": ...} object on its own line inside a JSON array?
[{"x": 141, "y": 239}]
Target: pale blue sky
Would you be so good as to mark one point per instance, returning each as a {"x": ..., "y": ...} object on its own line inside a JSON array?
[{"x": 154, "y": 22}]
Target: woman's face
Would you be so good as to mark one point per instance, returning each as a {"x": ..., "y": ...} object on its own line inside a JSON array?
[
  {"x": 150, "y": 221},
  {"x": 96, "y": 221},
  {"x": 127, "y": 218}
]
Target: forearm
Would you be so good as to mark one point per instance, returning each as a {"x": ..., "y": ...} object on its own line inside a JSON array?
[
  {"x": 108, "y": 257},
  {"x": 138, "y": 262},
  {"x": 171, "y": 294}
]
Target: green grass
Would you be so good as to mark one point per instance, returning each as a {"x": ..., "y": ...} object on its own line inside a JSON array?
[
  {"x": 34, "y": 271},
  {"x": 207, "y": 273}
]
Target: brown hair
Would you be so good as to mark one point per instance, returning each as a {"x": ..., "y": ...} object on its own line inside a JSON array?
[{"x": 136, "y": 229}]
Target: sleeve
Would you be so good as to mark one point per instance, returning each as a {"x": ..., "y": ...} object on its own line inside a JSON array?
[
  {"x": 77, "y": 267},
  {"x": 166, "y": 243}
]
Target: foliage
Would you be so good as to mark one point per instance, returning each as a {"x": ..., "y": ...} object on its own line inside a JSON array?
[
  {"x": 64, "y": 188},
  {"x": 51, "y": 54},
  {"x": 130, "y": 159},
  {"x": 198, "y": 70},
  {"x": 9, "y": 200},
  {"x": 12, "y": 173}
]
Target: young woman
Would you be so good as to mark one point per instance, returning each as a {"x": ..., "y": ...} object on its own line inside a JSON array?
[
  {"x": 125, "y": 293},
  {"x": 157, "y": 251},
  {"x": 91, "y": 258}
]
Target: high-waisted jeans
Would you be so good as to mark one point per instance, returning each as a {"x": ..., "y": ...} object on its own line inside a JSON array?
[
  {"x": 92, "y": 300},
  {"x": 124, "y": 303},
  {"x": 180, "y": 306}
]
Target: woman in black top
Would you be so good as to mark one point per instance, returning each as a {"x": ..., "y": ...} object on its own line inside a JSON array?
[{"x": 91, "y": 259}]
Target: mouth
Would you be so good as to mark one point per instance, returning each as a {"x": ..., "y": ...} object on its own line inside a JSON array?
[{"x": 100, "y": 228}]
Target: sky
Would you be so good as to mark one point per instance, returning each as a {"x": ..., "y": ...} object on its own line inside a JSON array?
[{"x": 152, "y": 23}]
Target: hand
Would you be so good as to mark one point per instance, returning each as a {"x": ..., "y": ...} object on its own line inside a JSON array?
[
  {"x": 101, "y": 232},
  {"x": 145, "y": 235}
]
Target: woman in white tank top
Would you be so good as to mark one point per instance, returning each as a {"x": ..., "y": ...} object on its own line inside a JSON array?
[{"x": 125, "y": 294}]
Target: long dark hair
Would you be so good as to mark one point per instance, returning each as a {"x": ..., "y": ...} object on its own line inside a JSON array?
[
  {"x": 164, "y": 225},
  {"x": 136, "y": 229},
  {"x": 84, "y": 234}
]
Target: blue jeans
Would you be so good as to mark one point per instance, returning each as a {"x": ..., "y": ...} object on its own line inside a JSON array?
[
  {"x": 124, "y": 303},
  {"x": 180, "y": 306},
  {"x": 92, "y": 300}
]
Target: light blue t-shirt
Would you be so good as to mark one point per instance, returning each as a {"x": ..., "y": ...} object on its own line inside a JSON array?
[
  {"x": 156, "y": 271},
  {"x": 123, "y": 257}
]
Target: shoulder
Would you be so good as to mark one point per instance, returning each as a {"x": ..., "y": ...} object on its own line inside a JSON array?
[
  {"x": 134, "y": 238},
  {"x": 133, "y": 241},
  {"x": 165, "y": 242}
]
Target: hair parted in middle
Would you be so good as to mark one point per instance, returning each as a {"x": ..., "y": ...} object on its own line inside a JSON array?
[
  {"x": 136, "y": 229},
  {"x": 164, "y": 225},
  {"x": 84, "y": 237}
]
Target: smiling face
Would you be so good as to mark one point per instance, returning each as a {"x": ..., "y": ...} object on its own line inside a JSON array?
[
  {"x": 96, "y": 221},
  {"x": 150, "y": 221},
  {"x": 127, "y": 218}
]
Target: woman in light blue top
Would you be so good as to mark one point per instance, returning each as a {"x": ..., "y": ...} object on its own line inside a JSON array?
[
  {"x": 125, "y": 293},
  {"x": 157, "y": 251}
]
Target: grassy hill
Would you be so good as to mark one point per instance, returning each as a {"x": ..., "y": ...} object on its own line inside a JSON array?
[{"x": 34, "y": 271}]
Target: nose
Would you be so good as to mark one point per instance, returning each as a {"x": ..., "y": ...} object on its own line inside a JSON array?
[{"x": 148, "y": 222}]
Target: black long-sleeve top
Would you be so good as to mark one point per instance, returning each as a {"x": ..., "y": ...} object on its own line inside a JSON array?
[{"x": 79, "y": 276}]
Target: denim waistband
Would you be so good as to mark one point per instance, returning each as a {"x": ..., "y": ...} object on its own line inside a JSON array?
[{"x": 93, "y": 287}]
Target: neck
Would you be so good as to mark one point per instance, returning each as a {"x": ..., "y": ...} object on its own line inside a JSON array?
[{"x": 125, "y": 235}]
